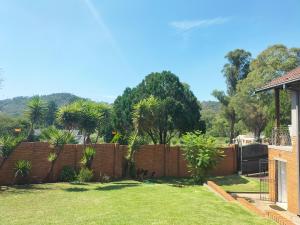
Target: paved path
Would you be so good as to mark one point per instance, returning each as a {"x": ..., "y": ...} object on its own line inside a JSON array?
[{"x": 267, "y": 205}]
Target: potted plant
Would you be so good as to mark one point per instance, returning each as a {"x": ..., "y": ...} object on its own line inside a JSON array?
[{"x": 22, "y": 170}]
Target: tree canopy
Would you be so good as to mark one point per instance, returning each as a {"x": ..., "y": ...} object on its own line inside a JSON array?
[{"x": 167, "y": 89}]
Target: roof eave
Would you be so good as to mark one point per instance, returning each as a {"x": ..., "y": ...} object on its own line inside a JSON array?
[{"x": 281, "y": 85}]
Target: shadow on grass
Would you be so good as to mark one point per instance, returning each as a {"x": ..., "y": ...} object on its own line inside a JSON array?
[
  {"x": 117, "y": 186},
  {"x": 76, "y": 189},
  {"x": 24, "y": 189},
  {"x": 229, "y": 180},
  {"x": 172, "y": 181}
]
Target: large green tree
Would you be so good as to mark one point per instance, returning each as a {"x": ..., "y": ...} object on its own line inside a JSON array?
[
  {"x": 257, "y": 110},
  {"x": 164, "y": 86},
  {"x": 157, "y": 119},
  {"x": 235, "y": 70}
]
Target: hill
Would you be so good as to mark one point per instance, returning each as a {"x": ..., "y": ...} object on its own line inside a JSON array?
[{"x": 16, "y": 106}]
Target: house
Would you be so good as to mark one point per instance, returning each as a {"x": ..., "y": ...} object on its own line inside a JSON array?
[
  {"x": 244, "y": 139},
  {"x": 284, "y": 157}
]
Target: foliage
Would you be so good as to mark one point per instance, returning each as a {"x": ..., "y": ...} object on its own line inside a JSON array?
[
  {"x": 87, "y": 116},
  {"x": 56, "y": 137},
  {"x": 210, "y": 111},
  {"x": 256, "y": 110},
  {"x": 51, "y": 113},
  {"x": 68, "y": 116},
  {"x": 36, "y": 109},
  {"x": 135, "y": 142},
  {"x": 88, "y": 156},
  {"x": 153, "y": 117},
  {"x": 234, "y": 71},
  {"x": 8, "y": 124},
  {"x": 180, "y": 106},
  {"x": 117, "y": 138},
  {"x": 104, "y": 178},
  {"x": 8, "y": 144},
  {"x": 104, "y": 125},
  {"x": 52, "y": 156},
  {"x": 201, "y": 153},
  {"x": 22, "y": 168},
  {"x": 85, "y": 175},
  {"x": 67, "y": 174}
]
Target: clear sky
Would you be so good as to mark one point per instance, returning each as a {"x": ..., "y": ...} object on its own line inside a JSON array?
[{"x": 97, "y": 48}]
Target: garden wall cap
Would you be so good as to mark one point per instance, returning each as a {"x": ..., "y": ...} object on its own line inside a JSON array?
[{"x": 287, "y": 78}]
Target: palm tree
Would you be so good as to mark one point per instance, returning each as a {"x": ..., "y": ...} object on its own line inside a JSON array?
[
  {"x": 57, "y": 139},
  {"x": 36, "y": 109}
]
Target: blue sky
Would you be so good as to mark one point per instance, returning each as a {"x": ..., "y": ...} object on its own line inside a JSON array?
[{"x": 96, "y": 49}]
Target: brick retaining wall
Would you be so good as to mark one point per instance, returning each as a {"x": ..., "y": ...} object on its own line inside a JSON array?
[{"x": 109, "y": 160}]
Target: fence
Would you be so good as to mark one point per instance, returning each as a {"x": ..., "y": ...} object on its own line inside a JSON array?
[{"x": 160, "y": 160}]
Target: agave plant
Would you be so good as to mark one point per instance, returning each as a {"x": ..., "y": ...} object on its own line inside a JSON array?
[
  {"x": 22, "y": 168},
  {"x": 88, "y": 156}
]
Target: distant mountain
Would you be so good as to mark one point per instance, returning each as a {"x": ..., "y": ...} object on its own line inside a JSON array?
[
  {"x": 17, "y": 105},
  {"x": 213, "y": 106}
]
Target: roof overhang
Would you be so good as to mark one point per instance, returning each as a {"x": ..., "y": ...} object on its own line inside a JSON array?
[{"x": 283, "y": 85}]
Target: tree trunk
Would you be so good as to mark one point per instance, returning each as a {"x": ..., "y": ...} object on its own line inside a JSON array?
[{"x": 231, "y": 135}]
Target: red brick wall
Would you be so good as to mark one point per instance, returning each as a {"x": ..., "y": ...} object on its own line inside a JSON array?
[
  {"x": 290, "y": 156},
  {"x": 169, "y": 161},
  {"x": 109, "y": 160}
]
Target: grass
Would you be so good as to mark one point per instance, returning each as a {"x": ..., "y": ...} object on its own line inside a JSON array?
[
  {"x": 237, "y": 183},
  {"x": 125, "y": 202}
]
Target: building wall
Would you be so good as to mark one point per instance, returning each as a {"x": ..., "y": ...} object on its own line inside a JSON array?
[
  {"x": 290, "y": 156},
  {"x": 109, "y": 160}
]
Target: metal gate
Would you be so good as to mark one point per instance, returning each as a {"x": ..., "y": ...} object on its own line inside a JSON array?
[{"x": 268, "y": 181}]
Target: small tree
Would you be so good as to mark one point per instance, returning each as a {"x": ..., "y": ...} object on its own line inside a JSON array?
[
  {"x": 201, "y": 153},
  {"x": 57, "y": 139},
  {"x": 36, "y": 109},
  {"x": 135, "y": 142},
  {"x": 83, "y": 115}
]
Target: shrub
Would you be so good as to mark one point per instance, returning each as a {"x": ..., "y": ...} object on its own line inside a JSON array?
[
  {"x": 67, "y": 174},
  {"x": 201, "y": 153},
  {"x": 85, "y": 175},
  {"x": 8, "y": 144},
  {"x": 22, "y": 168},
  {"x": 104, "y": 178},
  {"x": 88, "y": 156}
]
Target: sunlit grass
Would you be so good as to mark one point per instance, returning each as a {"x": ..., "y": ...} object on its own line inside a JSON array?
[{"x": 118, "y": 203}]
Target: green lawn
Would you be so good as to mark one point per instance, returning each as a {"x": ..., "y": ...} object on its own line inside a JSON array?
[
  {"x": 124, "y": 202},
  {"x": 237, "y": 183}
]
